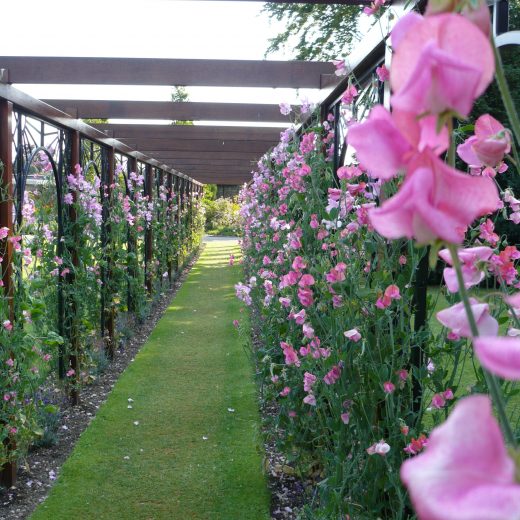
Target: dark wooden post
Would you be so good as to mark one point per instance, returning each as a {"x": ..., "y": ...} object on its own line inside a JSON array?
[
  {"x": 148, "y": 238},
  {"x": 131, "y": 243},
  {"x": 8, "y": 470},
  {"x": 73, "y": 331},
  {"x": 169, "y": 219},
  {"x": 108, "y": 309}
]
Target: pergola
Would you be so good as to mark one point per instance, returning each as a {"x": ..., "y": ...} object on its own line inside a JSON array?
[{"x": 210, "y": 154}]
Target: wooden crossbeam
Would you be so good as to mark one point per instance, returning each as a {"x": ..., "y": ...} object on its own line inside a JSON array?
[
  {"x": 192, "y": 132},
  {"x": 168, "y": 110},
  {"x": 209, "y": 145},
  {"x": 151, "y": 71}
]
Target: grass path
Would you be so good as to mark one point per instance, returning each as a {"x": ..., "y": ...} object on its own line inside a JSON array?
[{"x": 184, "y": 380}]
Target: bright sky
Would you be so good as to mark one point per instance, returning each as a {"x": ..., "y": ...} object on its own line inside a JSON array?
[{"x": 143, "y": 28}]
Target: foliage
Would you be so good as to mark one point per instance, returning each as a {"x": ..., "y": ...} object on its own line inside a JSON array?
[
  {"x": 180, "y": 95},
  {"x": 338, "y": 350},
  {"x": 322, "y": 32},
  {"x": 222, "y": 216},
  {"x": 64, "y": 277}
]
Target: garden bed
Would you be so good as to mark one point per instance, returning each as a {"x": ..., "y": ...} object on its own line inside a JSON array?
[{"x": 41, "y": 467}]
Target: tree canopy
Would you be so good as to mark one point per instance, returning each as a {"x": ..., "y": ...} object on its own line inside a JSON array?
[{"x": 314, "y": 31}]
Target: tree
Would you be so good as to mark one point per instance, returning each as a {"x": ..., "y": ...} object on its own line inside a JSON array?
[
  {"x": 323, "y": 31},
  {"x": 180, "y": 95}
]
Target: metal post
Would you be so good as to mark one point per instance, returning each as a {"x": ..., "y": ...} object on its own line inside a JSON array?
[
  {"x": 108, "y": 309},
  {"x": 169, "y": 215},
  {"x": 9, "y": 470},
  {"x": 148, "y": 239},
  {"x": 73, "y": 331}
]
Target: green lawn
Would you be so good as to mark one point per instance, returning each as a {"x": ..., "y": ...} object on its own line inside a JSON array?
[{"x": 190, "y": 456}]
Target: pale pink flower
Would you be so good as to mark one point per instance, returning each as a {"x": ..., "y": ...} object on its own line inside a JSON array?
[
  {"x": 388, "y": 387},
  {"x": 402, "y": 374},
  {"x": 306, "y": 280},
  {"x": 500, "y": 355},
  {"x": 285, "y": 109},
  {"x": 310, "y": 400},
  {"x": 466, "y": 472},
  {"x": 299, "y": 317},
  {"x": 383, "y": 73},
  {"x": 455, "y": 319},
  {"x": 386, "y": 143},
  {"x": 352, "y": 335},
  {"x": 298, "y": 263},
  {"x": 488, "y": 146},
  {"x": 469, "y": 258},
  {"x": 305, "y": 296},
  {"x": 345, "y": 417},
  {"x": 285, "y": 392},
  {"x": 9, "y": 362},
  {"x": 440, "y": 63},
  {"x": 379, "y": 448},
  {"x": 341, "y": 69},
  {"x": 487, "y": 232},
  {"x": 435, "y": 201},
  {"x": 291, "y": 356},
  {"x": 438, "y": 401},
  {"x": 332, "y": 375},
  {"x": 308, "y": 381},
  {"x": 7, "y": 325}
]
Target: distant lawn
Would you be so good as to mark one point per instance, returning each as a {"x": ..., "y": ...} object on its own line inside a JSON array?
[{"x": 195, "y": 453}]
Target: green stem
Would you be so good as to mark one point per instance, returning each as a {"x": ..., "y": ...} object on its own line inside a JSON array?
[
  {"x": 507, "y": 99},
  {"x": 451, "y": 149},
  {"x": 491, "y": 381}
]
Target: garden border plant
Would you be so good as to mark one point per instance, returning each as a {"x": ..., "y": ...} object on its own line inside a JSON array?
[
  {"x": 77, "y": 258},
  {"x": 331, "y": 261}
]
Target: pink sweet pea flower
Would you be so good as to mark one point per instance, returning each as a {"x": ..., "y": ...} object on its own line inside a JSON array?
[
  {"x": 345, "y": 418},
  {"x": 306, "y": 280},
  {"x": 488, "y": 146},
  {"x": 388, "y": 387},
  {"x": 353, "y": 335},
  {"x": 310, "y": 400},
  {"x": 466, "y": 472},
  {"x": 435, "y": 201},
  {"x": 305, "y": 296},
  {"x": 298, "y": 263},
  {"x": 285, "y": 392},
  {"x": 469, "y": 257},
  {"x": 455, "y": 318},
  {"x": 308, "y": 381},
  {"x": 291, "y": 356},
  {"x": 379, "y": 448},
  {"x": 332, "y": 375},
  {"x": 440, "y": 63},
  {"x": 500, "y": 355},
  {"x": 383, "y": 73},
  {"x": 396, "y": 137},
  {"x": 438, "y": 401}
]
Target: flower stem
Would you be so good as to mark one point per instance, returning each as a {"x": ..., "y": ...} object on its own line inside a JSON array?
[
  {"x": 507, "y": 99},
  {"x": 491, "y": 381}
]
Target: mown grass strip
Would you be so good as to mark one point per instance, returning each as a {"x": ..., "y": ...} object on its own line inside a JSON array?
[{"x": 190, "y": 456}]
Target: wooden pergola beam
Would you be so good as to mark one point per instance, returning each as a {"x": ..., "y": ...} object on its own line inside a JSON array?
[
  {"x": 192, "y": 132},
  {"x": 248, "y": 156},
  {"x": 147, "y": 71},
  {"x": 169, "y": 110},
  {"x": 208, "y": 145}
]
